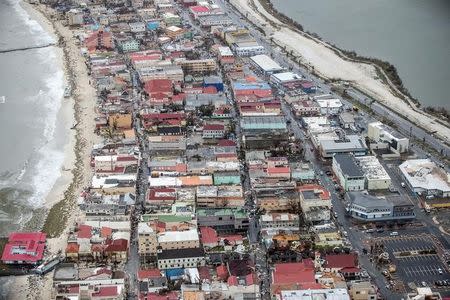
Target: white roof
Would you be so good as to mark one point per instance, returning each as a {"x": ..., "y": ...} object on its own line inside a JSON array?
[
  {"x": 329, "y": 294},
  {"x": 178, "y": 236},
  {"x": 99, "y": 182},
  {"x": 372, "y": 168},
  {"x": 425, "y": 174},
  {"x": 330, "y": 103},
  {"x": 164, "y": 181},
  {"x": 143, "y": 228},
  {"x": 286, "y": 76},
  {"x": 225, "y": 51},
  {"x": 266, "y": 63},
  {"x": 105, "y": 158}
]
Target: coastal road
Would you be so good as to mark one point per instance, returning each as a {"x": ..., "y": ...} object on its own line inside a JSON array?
[{"x": 405, "y": 127}]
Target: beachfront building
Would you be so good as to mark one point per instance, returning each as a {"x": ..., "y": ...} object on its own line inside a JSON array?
[{"x": 24, "y": 248}]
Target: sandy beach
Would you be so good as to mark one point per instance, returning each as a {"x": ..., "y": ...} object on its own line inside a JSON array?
[
  {"x": 330, "y": 65},
  {"x": 76, "y": 172}
]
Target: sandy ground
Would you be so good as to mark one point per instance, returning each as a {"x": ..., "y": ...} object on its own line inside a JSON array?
[
  {"x": 80, "y": 106},
  {"x": 330, "y": 65}
]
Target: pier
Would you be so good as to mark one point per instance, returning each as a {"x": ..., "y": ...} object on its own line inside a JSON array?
[{"x": 27, "y": 48}]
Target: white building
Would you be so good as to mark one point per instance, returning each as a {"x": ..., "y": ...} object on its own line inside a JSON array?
[
  {"x": 248, "y": 49},
  {"x": 425, "y": 177},
  {"x": 284, "y": 77},
  {"x": 384, "y": 137},
  {"x": 181, "y": 258},
  {"x": 329, "y": 294},
  {"x": 266, "y": 64},
  {"x": 179, "y": 239},
  {"x": 376, "y": 176},
  {"x": 137, "y": 27},
  {"x": 329, "y": 106}
]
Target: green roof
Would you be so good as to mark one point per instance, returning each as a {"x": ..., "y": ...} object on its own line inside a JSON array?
[
  {"x": 238, "y": 213},
  {"x": 166, "y": 218}
]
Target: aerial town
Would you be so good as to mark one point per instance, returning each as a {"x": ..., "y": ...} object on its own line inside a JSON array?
[{"x": 221, "y": 169}]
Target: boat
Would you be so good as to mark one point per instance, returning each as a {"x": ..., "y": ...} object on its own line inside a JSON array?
[
  {"x": 2, "y": 99},
  {"x": 67, "y": 92}
]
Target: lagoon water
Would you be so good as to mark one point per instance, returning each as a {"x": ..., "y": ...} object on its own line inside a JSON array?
[
  {"x": 31, "y": 125},
  {"x": 413, "y": 35}
]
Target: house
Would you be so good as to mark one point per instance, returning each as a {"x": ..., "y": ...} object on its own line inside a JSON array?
[
  {"x": 292, "y": 276},
  {"x": 120, "y": 121},
  {"x": 209, "y": 237},
  {"x": 147, "y": 240},
  {"x": 160, "y": 197},
  {"x": 280, "y": 220},
  {"x": 223, "y": 220},
  {"x": 151, "y": 280},
  {"x": 346, "y": 264},
  {"x": 213, "y": 131},
  {"x": 24, "y": 248}
]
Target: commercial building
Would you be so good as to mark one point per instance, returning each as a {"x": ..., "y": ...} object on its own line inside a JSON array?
[
  {"x": 329, "y": 106},
  {"x": 348, "y": 172},
  {"x": 213, "y": 131},
  {"x": 265, "y": 64},
  {"x": 263, "y": 123},
  {"x": 365, "y": 207},
  {"x": 214, "y": 20},
  {"x": 384, "y": 137},
  {"x": 174, "y": 32},
  {"x": 147, "y": 241},
  {"x": 362, "y": 290},
  {"x": 314, "y": 294},
  {"x": 226, "y": 56},
  {"x": 198, "y": 65},
  {"x": 315, "y": 202},
  {"x": 424, "y": 177},
  {"x": 376, "y": 176},
  {"x": 181, "y": 258},
  {"x": 280, "y": 220},
  {"x": 329, "y": 146},
  {"x": 223, "y": 220},
  {"x": 178, "y": 239},
  {"x": 285, "y": 78}
]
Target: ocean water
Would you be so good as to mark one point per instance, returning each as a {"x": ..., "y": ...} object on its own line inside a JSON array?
[
  {"x": 33, "y": 131},
  {"x": 413, "y": 35}
]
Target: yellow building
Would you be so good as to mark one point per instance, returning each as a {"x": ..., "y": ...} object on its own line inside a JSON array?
[
  {"x": 147, "y": 240},
  {"x": 198, "y": 65},
  {"x": 122, "y": 121}
]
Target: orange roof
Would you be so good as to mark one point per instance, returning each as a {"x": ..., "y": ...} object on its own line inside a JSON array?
[
  {"x": 105, "y": 232},
  {"x": 72, "y": 248},
  {"x": 196, "y": 180}
]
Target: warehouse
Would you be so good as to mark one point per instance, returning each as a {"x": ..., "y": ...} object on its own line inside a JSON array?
[
  {"x": 424, "y": 177},
  {"x": 265, "y": 64}
]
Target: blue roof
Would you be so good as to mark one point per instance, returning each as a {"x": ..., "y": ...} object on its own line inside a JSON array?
[
  {"x": 174, "y": 272},
  {"x": 251, "y": 86}
]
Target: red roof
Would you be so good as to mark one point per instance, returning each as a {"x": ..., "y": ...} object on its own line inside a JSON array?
[
  {"x": 162, "y": 194},
  {"x": 119, "y": 245},
  {"x": 293, "y": 273},
  {"x": 226, "y": 143},
  {"x": 199, "y": 8},
  {"x": 105, "y": 232},
  {"x": 324, "y": 193},
  {"x": 279, "y": 170},
  {"x": 210, "y": 90},
  {"x": 27, "y": 247},
  {"x": 84, "y": 232},
  {"x": 106, "y": 291},
  {"x": 208, "y": 235},
  {"x": 232, "y": 239},
  {"x": 155, "y": 296},
  {"x": 222, "y": 272},
  {"x": 213, "y": 127},
  {"x": 72, "y": 248},
  {"x": 149, "y": 273},
  {"x": 158, "y": 86},
  {"x": 339, "y": 261},
  {"x": 232, "y": 280},
  {"x": 204, "y": 273}
]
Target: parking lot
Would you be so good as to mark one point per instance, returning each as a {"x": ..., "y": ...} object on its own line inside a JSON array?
[{"x": 413, "y": 266}]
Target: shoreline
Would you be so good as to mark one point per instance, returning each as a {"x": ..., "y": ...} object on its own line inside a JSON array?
[
  {"x": 60, "y": 212},
  {"x": 327, "y": 63}
]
